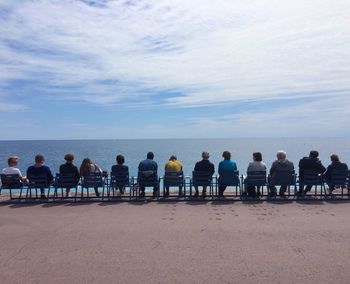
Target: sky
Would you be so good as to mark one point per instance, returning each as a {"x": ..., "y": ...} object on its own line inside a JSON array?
[{"x": 99, "y": 69}]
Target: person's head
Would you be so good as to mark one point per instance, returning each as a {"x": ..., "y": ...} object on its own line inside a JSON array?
[
  {"x": 313, "y": 154},
  {"x": 86, "y": 161},
  {"x": 85, "y": 167},
  {"x": 334, "y": 158},
  {"x": 120, "y": 159},
  {"x": 281, "y": 155},
  {"x": 39, "y": 159},
  {"x": 173, "y": 158},
  {"x": 226, "y": 155},
  {"x": 205, "y": 155},
  {"x": 150, "y": 155},
  {"x": 69, "y": 158},
  {"x": 12, "y": 161},
  {"x": 257, "y": 156}
]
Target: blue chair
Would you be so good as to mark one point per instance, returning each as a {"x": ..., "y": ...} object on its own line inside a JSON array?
[
  {"x": 118, "y": 181},
  {"x": 284, "y": 179},
  {"x": 95, "y": 181},
  {"x": 63, "y": 181},
  {"x": 312, "y": 178},
  {"x": 339, "y": 178},
  {"x": 255, "y": 179},
  {"x": 10, "y": 182},
  {"x": 147, "y": 179},
  {"x": 174, "y": 179},
  {"x": 37, "y": 182},
  {"x": 229, "y": 178},
  {"x": 203, "y": 179}
]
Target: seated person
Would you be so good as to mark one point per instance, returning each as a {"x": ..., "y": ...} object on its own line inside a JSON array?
[
  {"x": 204, "y": 166},
  {"x": 120, "y": 168},
  {"x": 149, "y": 168},
  {"x": 70, "y": 169},
  {"x": 335, "y": 165},
  {"x": 12, "y": 169},
  {"x": 309, "y": 163},
  {"x": 256, "y": 166},
  {"x": 39, "y": 169},
  {"x": 225, "y": 166},
  {"x": 279, "y": 165},
  {"x": 88, "y": 167},
  {"x": 173, "y": 165}
]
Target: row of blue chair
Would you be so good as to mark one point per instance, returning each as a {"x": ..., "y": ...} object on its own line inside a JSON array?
[{"x": 238, "y": 186}]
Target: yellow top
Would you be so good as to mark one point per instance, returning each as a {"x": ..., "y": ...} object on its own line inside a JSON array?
[{"x": 173, "y": 166}]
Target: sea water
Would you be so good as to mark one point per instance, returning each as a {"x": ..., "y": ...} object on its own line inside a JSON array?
[{"x": 103, "y": 152}]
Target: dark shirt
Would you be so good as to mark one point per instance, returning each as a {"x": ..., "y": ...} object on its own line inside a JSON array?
[
  {"x": 204, "y": 166},
  {"x": 334, "y": 166},
  {"x": 70, "y": 169},
  {"x": 120, "y": 169},
  {"x": 40, "y": 171},
  {"x": 312, "y": 164}
]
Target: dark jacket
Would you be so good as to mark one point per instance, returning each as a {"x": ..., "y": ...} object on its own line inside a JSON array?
[
  {"x": 204, "y": 166},
  {"x": 70, "y": 169},
  {"x": 120, "y": 169},
  {"x": 312, "y": 164},
  {"x": 40, "y": 171},
  {"x": 334, "y": 166}
]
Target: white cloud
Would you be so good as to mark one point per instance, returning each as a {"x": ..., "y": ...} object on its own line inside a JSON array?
[{"x": 211, "y": 51}]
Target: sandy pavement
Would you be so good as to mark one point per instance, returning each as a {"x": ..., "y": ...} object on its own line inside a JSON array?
[{"x": 237, "y": 242}]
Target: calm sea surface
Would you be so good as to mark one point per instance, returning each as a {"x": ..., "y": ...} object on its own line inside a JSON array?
[{"x": 103, "y": 152}]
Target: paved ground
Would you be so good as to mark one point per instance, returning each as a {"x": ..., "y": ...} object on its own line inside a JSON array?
[{"x": 175, "y": 243}]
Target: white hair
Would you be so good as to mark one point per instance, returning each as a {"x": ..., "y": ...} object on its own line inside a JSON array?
[{"x": 281, "y": 154}]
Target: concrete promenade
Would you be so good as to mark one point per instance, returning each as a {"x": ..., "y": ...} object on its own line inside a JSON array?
[{"x": 257, "y": 242}]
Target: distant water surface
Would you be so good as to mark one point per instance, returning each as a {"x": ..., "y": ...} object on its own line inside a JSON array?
[{"x": 189, "y": 151}]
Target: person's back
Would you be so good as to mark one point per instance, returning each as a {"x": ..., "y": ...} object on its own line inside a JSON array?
[
  {"x": 39, "y": 169},
  {"x": 69, "y": 169},
  {"x": 227, "y": 166},
  {"x": 311, "y": 163},
  {"x": 226, "y": 169},
  {"x": 122, "y": 171},
  {"x": 204, "y": 166},
  {"x": 173, "y": 165},
  {"x": 12, "y": 167},
  {"x": 256, "y": 166},
  {"x": 282, "y": 164},
  {"x": 149, "y": 170},
  {"x": 336, "y": 165}
]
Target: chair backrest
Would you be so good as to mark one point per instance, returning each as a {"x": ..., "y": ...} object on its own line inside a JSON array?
[
  {"x": 93, "y": 180},
  {"x": 284, "y": 178},
  {"x": 229, "y": 178},
  {"x": 339, "y": 177},
  {"x": 38, "y": 181},
  {"x": 10, "y": 181},
  {"x": 65, "y": 181},
  {"x": 120, "y": 179},
  {"x": 173, "y": 178},
  {"x": 312, "y": 178},
  {"x": 202, "y": 178},
  {"x": 147, "y": 178},
  {"x": 256, "y": 178}
]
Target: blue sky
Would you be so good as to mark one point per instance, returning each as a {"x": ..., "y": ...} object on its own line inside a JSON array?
[{"x": 162, "y": 69}]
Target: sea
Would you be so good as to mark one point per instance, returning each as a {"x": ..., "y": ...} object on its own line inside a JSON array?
[{"x": 188, "y": 151}]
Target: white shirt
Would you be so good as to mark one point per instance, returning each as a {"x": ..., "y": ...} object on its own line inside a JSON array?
[{"x": 11, "y": 171}]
